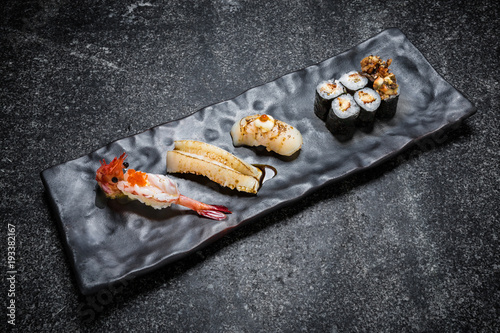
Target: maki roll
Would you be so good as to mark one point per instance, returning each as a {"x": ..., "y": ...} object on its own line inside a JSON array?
[
  {"x": 389, "y": 94},
  {"x": 353, "y": 81},
  {"x": 369, "y": 102},
  {"x": 326, "y": 92},
  {"x": 384, "y": 82},
  {"x": 341, "y": 120}
]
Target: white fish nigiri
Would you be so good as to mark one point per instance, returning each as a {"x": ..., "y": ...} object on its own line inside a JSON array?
[
  {"x": 264, "y": 130},
  {"x": 217, "y": 164}
]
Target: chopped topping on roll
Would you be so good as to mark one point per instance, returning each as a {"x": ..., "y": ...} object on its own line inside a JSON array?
[
  {"x": 377, "y": 71},
  {"x": 366, "y": 97},
  {"x": 328, "y": 88},
  {"x": 355, "y": 77},
  {"x": 344, "y": 104}
]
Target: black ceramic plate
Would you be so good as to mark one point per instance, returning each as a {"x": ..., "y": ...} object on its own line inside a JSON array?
[{"x": 110, "y": 241}]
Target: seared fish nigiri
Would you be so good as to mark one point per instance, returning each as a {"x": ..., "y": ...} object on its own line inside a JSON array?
[
  {"x": 264, "y": 130},
  {"x": 215, "y": 163}
]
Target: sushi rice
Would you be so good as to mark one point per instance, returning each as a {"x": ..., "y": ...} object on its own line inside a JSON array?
[
  {"x": 345, "y": 107},
  {"x": 353, "y": 81}
]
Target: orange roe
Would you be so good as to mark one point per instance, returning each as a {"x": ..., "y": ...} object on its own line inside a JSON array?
[{"x": 137, "y": 177}]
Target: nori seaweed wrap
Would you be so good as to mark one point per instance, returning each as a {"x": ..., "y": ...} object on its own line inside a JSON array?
[
  {"x": 388, "y": 107},
  {"x": 369, "y": 102},
  {"x": 341, "y": 120}
]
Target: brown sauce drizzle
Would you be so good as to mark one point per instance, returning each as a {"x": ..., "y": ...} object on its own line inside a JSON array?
[{"x": 268, "y": 172}]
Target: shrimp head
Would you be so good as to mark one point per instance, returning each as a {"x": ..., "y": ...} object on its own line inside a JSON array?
[{"x": 108, "y": 176}]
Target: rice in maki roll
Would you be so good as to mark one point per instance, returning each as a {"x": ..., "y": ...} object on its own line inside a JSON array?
[
  {"x": 369, "y": 102},
  {"x": 341, "y": 120},
  {"x": 326, "y": 92},
  {"x": 353, "y": 81}
]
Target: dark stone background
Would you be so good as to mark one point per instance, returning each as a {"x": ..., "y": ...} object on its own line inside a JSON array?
[{"x": 410, "y": 246}]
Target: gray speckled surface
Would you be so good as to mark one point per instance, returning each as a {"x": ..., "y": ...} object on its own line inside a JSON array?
[{"x": 411, "y": 245}]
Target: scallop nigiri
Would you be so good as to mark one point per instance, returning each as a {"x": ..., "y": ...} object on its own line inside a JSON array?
[
  {"x": 157, "y": 191},
  {"x": 264, "y": 130}
]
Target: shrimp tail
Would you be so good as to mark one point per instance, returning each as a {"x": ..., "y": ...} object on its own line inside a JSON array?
[
  {"x": 221, "y": 208},
  {"x": 214, "y": 212}
]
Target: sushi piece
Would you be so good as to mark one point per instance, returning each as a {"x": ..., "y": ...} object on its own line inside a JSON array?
[
  {"x": 369, "y": 102},
  {"x": 341, "y": 120},
  {"x": 215, "y": 163},
  {"x": 264, "y": 130},
  {"x": 389, "y": 94},
  {"x": 326, "y": 92},
  {"x": 157, "y": 191},
  {"x": 353, "y": 81},
  {"x": 384, "y": 82}
]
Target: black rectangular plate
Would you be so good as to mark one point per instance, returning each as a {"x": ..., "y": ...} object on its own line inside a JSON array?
[{"x": 107, "y": 242}]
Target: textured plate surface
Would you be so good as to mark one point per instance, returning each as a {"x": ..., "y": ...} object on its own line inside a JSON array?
[{"x": 110, "y": 241}]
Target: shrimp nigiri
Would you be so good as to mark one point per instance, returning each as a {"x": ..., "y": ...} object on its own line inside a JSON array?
[{"x": 157, "y": 191}]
